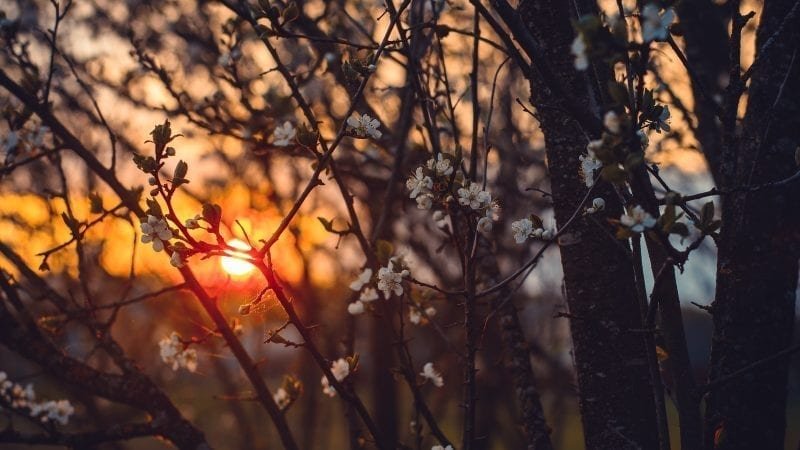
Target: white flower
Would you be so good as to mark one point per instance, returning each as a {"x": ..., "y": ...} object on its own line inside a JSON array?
[
  {"x": 522, "y": 229},
  {"x": 425, "y": 201},
  {"x": 57, "y": 411},
  {"x": 340, "y": 370},
  {"x": 176, "y": 260},
  {"x": 156, "y": 230},
  {"x": 355, "y": 308},
  {"x": 430, "y": 373},
  {"x": 174, "y": 352},
  {"x": 327, "y": 389},
  {"x": 611, "y": 122},
  {"x": 655, "y": 26},
  {"x": 485, "y": 224},
  {"x": 362, "y": 280},
  {"x": 473, "y": 196},
  {"x": 364, "y": 126},
  {"x": 368, "y": 295},
  {"x": 578, "y": 50},
  {"x": 537, "y": 233},
  {"x": 441, "y": 165},
  {"x": 598, "y": 204},
  {"x": 589, "y": 165},
  {"x": 389, "y": 281},
  {"x": 430, "y": 311},
  {"x": 281, "y": 398},
  {"x": 419, "y": 183},
  {"x": 638, "y": 220},
  {"x": 414, "y": 316},
  {"x": 283, "y": 134}
]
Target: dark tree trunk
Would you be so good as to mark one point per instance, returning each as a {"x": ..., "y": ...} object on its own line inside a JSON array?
[
  {"x": 754, "y": 308},
  {"x": 615, "y": 392}
]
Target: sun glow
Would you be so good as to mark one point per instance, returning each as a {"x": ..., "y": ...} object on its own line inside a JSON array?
[{"x": 234, "y": 266}]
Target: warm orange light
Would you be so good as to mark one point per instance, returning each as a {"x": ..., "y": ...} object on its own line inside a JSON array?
[{"x": 234, "y": 266}]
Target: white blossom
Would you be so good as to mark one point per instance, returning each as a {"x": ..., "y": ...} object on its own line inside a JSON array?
[
  {"x": 430, "y": 311},
  {"x": 589, "y": 165},
  {"x": 364, "y": 126},
  {"x": 598, "y": 204},
  {"x": 174, "y": 352},
  {"x": 414, "y": 316},
  {"x": 440, "y": 165},
  {"x": 638, "y": 219},
  {"x": 578, "y": 50},
  {"x": 389, "y": 281},
  {"x": 655, "y": 26},
  {"x": 612, "y": 122},
  {"x": 327, "y": 389},
  {"x": 355, "y": 308},
  {"x": 430, "y": 373},
  {"x": 156, "y": 230},
  {"x": 368, "y": 295},
  {"x": 281, "y": 398},
  {"x": 425, "y": 201},
  {"x": 24, "y": 398},
  {"x": 473, "y": 196},
  {"x": 283, "y": 134},
  {"x": 340, "y": 370},
  {"x": 362, "y": 280},
  {"x": 522, "y": 230},
  {"x": 419, "y": 183}
]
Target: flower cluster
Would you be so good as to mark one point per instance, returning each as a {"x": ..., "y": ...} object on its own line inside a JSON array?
[
  {"x": 429, "y": 373},
  {"x": 174, "y": 352},
  {"x": 340, "y": 370},
  {"x": 416, "y": 316},
  {"x": 364, "y": 126},
  {"x": 17, "y": 397},
  {"x": 430, "y": 185},
  {"x": 368, "y": 293},
  {"x": 530, "y": 227}
]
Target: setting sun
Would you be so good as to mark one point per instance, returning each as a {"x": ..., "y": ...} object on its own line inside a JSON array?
[{"x": 233, "y": 265}]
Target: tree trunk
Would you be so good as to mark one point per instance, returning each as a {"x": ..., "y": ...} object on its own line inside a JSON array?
[
  {"x": 754, "y": 308},
  {"x": 615, "y": 393}
]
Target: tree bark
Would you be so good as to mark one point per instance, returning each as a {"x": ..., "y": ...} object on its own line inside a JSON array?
[
  {"x": 615, "y": 393},
  {"x": 754, "y": 308}
]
